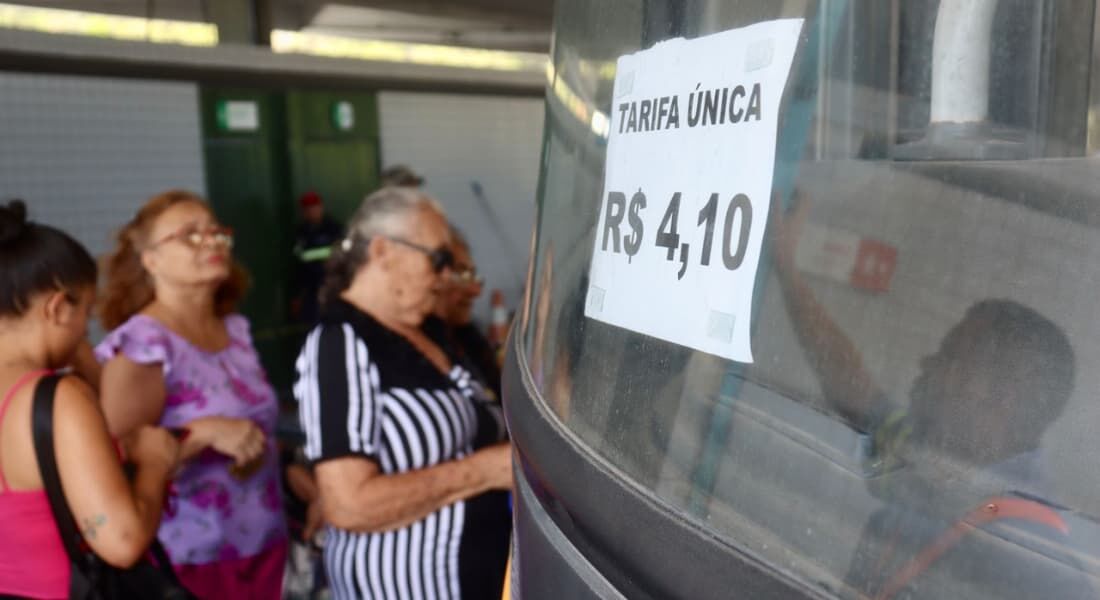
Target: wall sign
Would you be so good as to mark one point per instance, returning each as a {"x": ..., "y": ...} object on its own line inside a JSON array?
[
  {"x": 343, "y": 115},
  {"x": 238, "y": 115},
  {"x": 688, "y": 186}
]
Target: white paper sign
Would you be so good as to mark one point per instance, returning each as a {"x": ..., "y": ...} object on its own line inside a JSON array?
[{"x": 688, "y": 186}]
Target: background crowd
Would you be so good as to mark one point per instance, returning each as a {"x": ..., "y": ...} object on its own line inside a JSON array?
[{"x": 166, "y": 430}]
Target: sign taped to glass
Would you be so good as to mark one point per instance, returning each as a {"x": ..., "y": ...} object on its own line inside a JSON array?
[{"x": 688, "y": 185}]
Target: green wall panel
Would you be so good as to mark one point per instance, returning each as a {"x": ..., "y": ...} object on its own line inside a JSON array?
[
  {"x": 340, "y": 164},
  {"x": 246, "y": 176}
]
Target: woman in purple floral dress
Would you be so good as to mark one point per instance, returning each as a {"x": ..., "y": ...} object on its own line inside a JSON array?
[{"x": 179, "y": 357}]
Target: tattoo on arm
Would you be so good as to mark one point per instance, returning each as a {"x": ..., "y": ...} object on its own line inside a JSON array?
[{"x": 92, "y": 525}]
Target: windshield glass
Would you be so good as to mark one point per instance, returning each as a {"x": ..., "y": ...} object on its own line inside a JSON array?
[{"x": 916, "y": 415}]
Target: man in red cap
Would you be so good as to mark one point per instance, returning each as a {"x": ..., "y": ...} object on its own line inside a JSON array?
[{"x": 316, "y": 234}]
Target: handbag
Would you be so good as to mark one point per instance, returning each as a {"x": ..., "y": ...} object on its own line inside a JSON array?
[{"x": 92, "y": 577}]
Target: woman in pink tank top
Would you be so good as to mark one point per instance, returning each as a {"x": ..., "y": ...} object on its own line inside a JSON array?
[{"x": 46, "y": 291}]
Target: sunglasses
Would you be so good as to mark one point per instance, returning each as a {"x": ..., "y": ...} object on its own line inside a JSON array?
[
  {"x": 440, "y": 258},
  {"x": 217, "y": 236}
]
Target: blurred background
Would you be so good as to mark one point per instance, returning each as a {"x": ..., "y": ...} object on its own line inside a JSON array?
[{"x": 253, "y": 103}]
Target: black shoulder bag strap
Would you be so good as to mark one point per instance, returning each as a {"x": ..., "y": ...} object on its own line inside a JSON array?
[
  {"x": 89, "y": 574},
  {"x": 82, "y": 585}
]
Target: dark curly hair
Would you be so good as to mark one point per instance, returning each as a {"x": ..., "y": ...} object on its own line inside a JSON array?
[{"x": 36, "y": 259}]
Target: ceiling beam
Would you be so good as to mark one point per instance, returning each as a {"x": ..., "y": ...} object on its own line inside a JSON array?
[
  {"x": 245, "y": 65},
  {"x": 532, "y": 14}
]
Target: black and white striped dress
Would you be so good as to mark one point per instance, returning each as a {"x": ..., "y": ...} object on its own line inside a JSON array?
[{"x": 363, "y": 390}]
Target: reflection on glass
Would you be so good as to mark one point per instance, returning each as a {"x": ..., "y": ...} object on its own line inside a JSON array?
[
  {"x": 961, "y": 455},
  {"x": 920, "y": 421}
]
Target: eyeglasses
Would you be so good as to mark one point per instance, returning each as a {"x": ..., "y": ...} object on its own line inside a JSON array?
[
  {"x": 440, "y": 258},
  {"x": 197, "y": 238},
  {"x": 466, "y": 277}
]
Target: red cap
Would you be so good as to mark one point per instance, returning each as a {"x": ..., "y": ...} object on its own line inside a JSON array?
[{"x": 310, "y": 198}]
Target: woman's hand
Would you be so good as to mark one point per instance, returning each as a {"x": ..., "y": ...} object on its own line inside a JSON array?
[
  {"x": 240, "y": 439},
  {"x": 495, "y": 464},
  {"x": 153, "y": 447}
]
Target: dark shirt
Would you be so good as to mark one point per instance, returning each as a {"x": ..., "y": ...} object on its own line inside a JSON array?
[
  {"x": 466, "y": 345},
  {"x": 312, "y": 246}
]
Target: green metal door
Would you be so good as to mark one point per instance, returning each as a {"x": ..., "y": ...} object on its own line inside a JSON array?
[
  {"x": 263, "y": 150},
  {"x": 333, "y": 144},
  {"x": 245, "y": 149}
]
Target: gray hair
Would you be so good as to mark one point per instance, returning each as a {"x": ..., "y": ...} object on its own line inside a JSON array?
[{"x": 389, "y": 211}]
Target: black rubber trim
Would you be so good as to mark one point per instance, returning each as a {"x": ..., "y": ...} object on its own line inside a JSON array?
[
  {"x": 639, "y": 545},
  {"x": 548, "y": 556}
]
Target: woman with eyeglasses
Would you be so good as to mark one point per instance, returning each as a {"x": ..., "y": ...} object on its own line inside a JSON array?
[
  {"x": 178, "y": 356},
  {"x": 452, "y": 319},
  {"x": 405, "y": 450}
]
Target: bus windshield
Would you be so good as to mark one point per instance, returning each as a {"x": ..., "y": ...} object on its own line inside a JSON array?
[{"x": 918, "y": 417}]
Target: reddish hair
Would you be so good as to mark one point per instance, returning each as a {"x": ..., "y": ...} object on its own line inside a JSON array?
[{"x": 129, "y": 288}]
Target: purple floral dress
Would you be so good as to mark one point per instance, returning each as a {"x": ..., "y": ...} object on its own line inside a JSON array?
[{"x": 213, "y": 515}]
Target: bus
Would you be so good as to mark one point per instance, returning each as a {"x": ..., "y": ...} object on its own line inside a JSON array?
[{"x": 812, "y": 304}]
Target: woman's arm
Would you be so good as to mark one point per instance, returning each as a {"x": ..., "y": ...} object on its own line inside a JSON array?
[
  {"x": 301, "y": 483},
  {"x": 133, "y": 395},
  {"x": 117, "y": 518},
  {"x": 356, "y": 496},
  {"x": 304, "y": 487}
]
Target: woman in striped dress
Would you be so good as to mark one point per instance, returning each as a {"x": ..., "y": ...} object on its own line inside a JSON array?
[{"x": 407, "y": 451}]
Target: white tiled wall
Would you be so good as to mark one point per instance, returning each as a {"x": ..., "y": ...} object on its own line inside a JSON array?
[
  {"x": 453, "y": 140},
  {"x": 85, "y": 152}
]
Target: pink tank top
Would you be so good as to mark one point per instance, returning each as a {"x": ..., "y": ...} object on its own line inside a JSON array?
[{"x": 33, "y": 562}]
